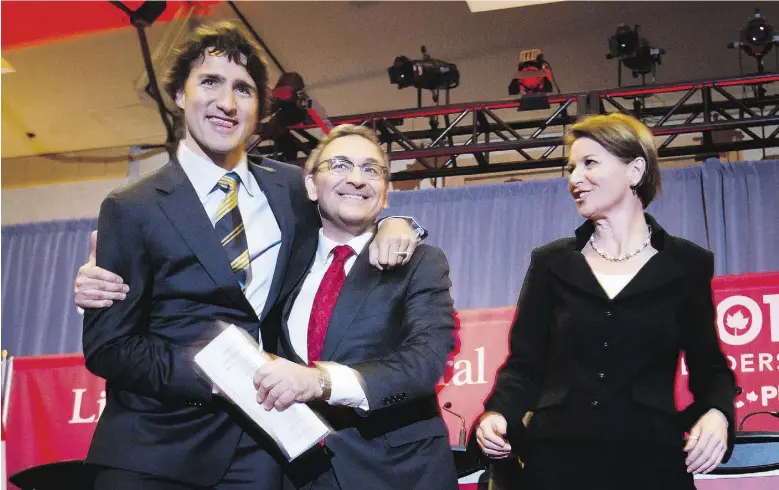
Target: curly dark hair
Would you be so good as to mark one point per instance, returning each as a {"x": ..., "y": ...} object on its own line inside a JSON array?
[{"x": 226, "y": 39}]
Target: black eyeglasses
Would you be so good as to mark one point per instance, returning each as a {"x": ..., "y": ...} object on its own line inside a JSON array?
[{"x": 344, "y": 166}]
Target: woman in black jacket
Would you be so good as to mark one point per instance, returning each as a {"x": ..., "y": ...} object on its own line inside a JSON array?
[{"x": 602, "y": 318}]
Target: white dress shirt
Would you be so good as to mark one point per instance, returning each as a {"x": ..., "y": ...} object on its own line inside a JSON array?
[
  {"x": 346, "y": 388},
  {"x": 263, "y": 234}
]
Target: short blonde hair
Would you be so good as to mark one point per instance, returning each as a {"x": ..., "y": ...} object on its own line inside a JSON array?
[
  {"x": 339, "y": 132},
  {"x": 626, "y": 138}
]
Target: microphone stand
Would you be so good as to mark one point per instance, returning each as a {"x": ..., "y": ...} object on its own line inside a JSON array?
[{"x": 463, "y": 433}]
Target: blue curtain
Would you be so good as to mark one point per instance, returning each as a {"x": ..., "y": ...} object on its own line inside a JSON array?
[
  {"x": 487, "y": 233},
  {"x": 40, "y": 261},
  {"x": 742, "y": 210}
]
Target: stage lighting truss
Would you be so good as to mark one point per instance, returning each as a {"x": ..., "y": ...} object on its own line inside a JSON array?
[{"x": 704, "y": 110}]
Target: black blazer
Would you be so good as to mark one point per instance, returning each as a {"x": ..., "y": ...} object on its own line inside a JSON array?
[
  {"x": 396, "y": 328},
  {"x": 160, "y": 418},
  {"x": 594, "y": 368}
]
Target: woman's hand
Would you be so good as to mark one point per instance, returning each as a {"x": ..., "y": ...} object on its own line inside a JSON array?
[
  {"x": 491, "y": 435},
  {"x": 707, "y": 443}
]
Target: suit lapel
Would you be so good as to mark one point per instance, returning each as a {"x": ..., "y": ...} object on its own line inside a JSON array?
[
  {"x": 360, "y": 282},
  {"x": 573, "y": 269},
  {"x": 292, "y": 355},
  {"x": 181, "y": 205},
  {"x": 278, "y": 197},
  {"x": 662, "y": 269}
]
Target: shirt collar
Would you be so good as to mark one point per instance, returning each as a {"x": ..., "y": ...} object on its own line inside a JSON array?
[
  {"x": 326, "y": 245},
  {"x": 204, "y": 174}
]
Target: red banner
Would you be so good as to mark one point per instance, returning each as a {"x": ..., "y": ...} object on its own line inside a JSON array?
[
  {"x": 55, "y": 402},
  {"x": 748, "y": 325},
  {"x": 53, "y": 407}
]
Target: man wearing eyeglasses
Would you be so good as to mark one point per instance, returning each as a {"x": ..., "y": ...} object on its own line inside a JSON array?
[{"x": 366, "y": 348}]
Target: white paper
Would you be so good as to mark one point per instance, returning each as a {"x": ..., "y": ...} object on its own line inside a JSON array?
[{"x": 229, "y": 362}]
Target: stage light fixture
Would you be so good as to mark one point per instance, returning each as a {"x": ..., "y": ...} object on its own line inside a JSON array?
[
  {"x": 633, "y": 51},
  {"x": 624, "y": 41},
  {"x": 534, "y": 74},
  {"x": 757, "y": 38},
  {"x": 289, "y": 92},
  {"x": 288, "y": 108},
  {"x": 425, "y": 74}
]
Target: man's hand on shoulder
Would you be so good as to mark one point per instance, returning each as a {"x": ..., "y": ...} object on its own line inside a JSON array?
[{"x": 395, "y": 243}]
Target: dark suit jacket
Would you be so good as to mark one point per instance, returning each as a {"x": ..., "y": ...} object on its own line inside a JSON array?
[
  {"x": 160, "y": 418},
  {"x": 594, "y": 368},
  {"x": 396, "y": 328}
]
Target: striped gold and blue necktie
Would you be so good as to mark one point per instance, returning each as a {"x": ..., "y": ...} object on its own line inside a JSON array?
[{"x": 230, "y": 229}]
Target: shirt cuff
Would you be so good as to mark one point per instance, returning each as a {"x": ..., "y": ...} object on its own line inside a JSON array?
[
  {"x": 420, "y": 232},
  {"x": 346, "y": 389}
]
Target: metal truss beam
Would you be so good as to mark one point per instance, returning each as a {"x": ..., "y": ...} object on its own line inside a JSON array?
[{"x": 481, "y": 128}]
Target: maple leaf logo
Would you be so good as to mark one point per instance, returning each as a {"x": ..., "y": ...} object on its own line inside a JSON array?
[
  {"x": 752, "y": 396},
  {"x": 737, "y": 321},
  {"x": 740, "y": 404}
]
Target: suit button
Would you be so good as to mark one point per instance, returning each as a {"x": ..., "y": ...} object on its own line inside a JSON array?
[
  {"x": 594, "y": 403},
  {"x": 601, "y": 375},
  {"x": 608, "y": 313},
  {"x": 605, "y": 345}
]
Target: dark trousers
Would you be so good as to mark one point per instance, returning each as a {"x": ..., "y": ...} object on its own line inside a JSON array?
[
  {"x": 252, "y": 468},
  {"x": 586, "y": 465}
]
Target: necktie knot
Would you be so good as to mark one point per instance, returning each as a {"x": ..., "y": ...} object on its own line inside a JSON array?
[
  {"x": 229, "y": 181},
  {"x": 341, "y": 253}
]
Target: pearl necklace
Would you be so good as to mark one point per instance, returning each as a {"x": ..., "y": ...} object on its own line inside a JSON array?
[{"x": 626, "y": 256}]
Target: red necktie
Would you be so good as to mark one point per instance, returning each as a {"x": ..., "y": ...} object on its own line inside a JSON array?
[{"x": 324, "y": 301}]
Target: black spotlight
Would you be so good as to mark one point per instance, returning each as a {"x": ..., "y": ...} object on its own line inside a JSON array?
[
  {"x": 425, "y": 74},
  {"x": 624, "y": 42},
  {"x": 757, "y": 38},
  {"x": 633, "y": 51}
]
